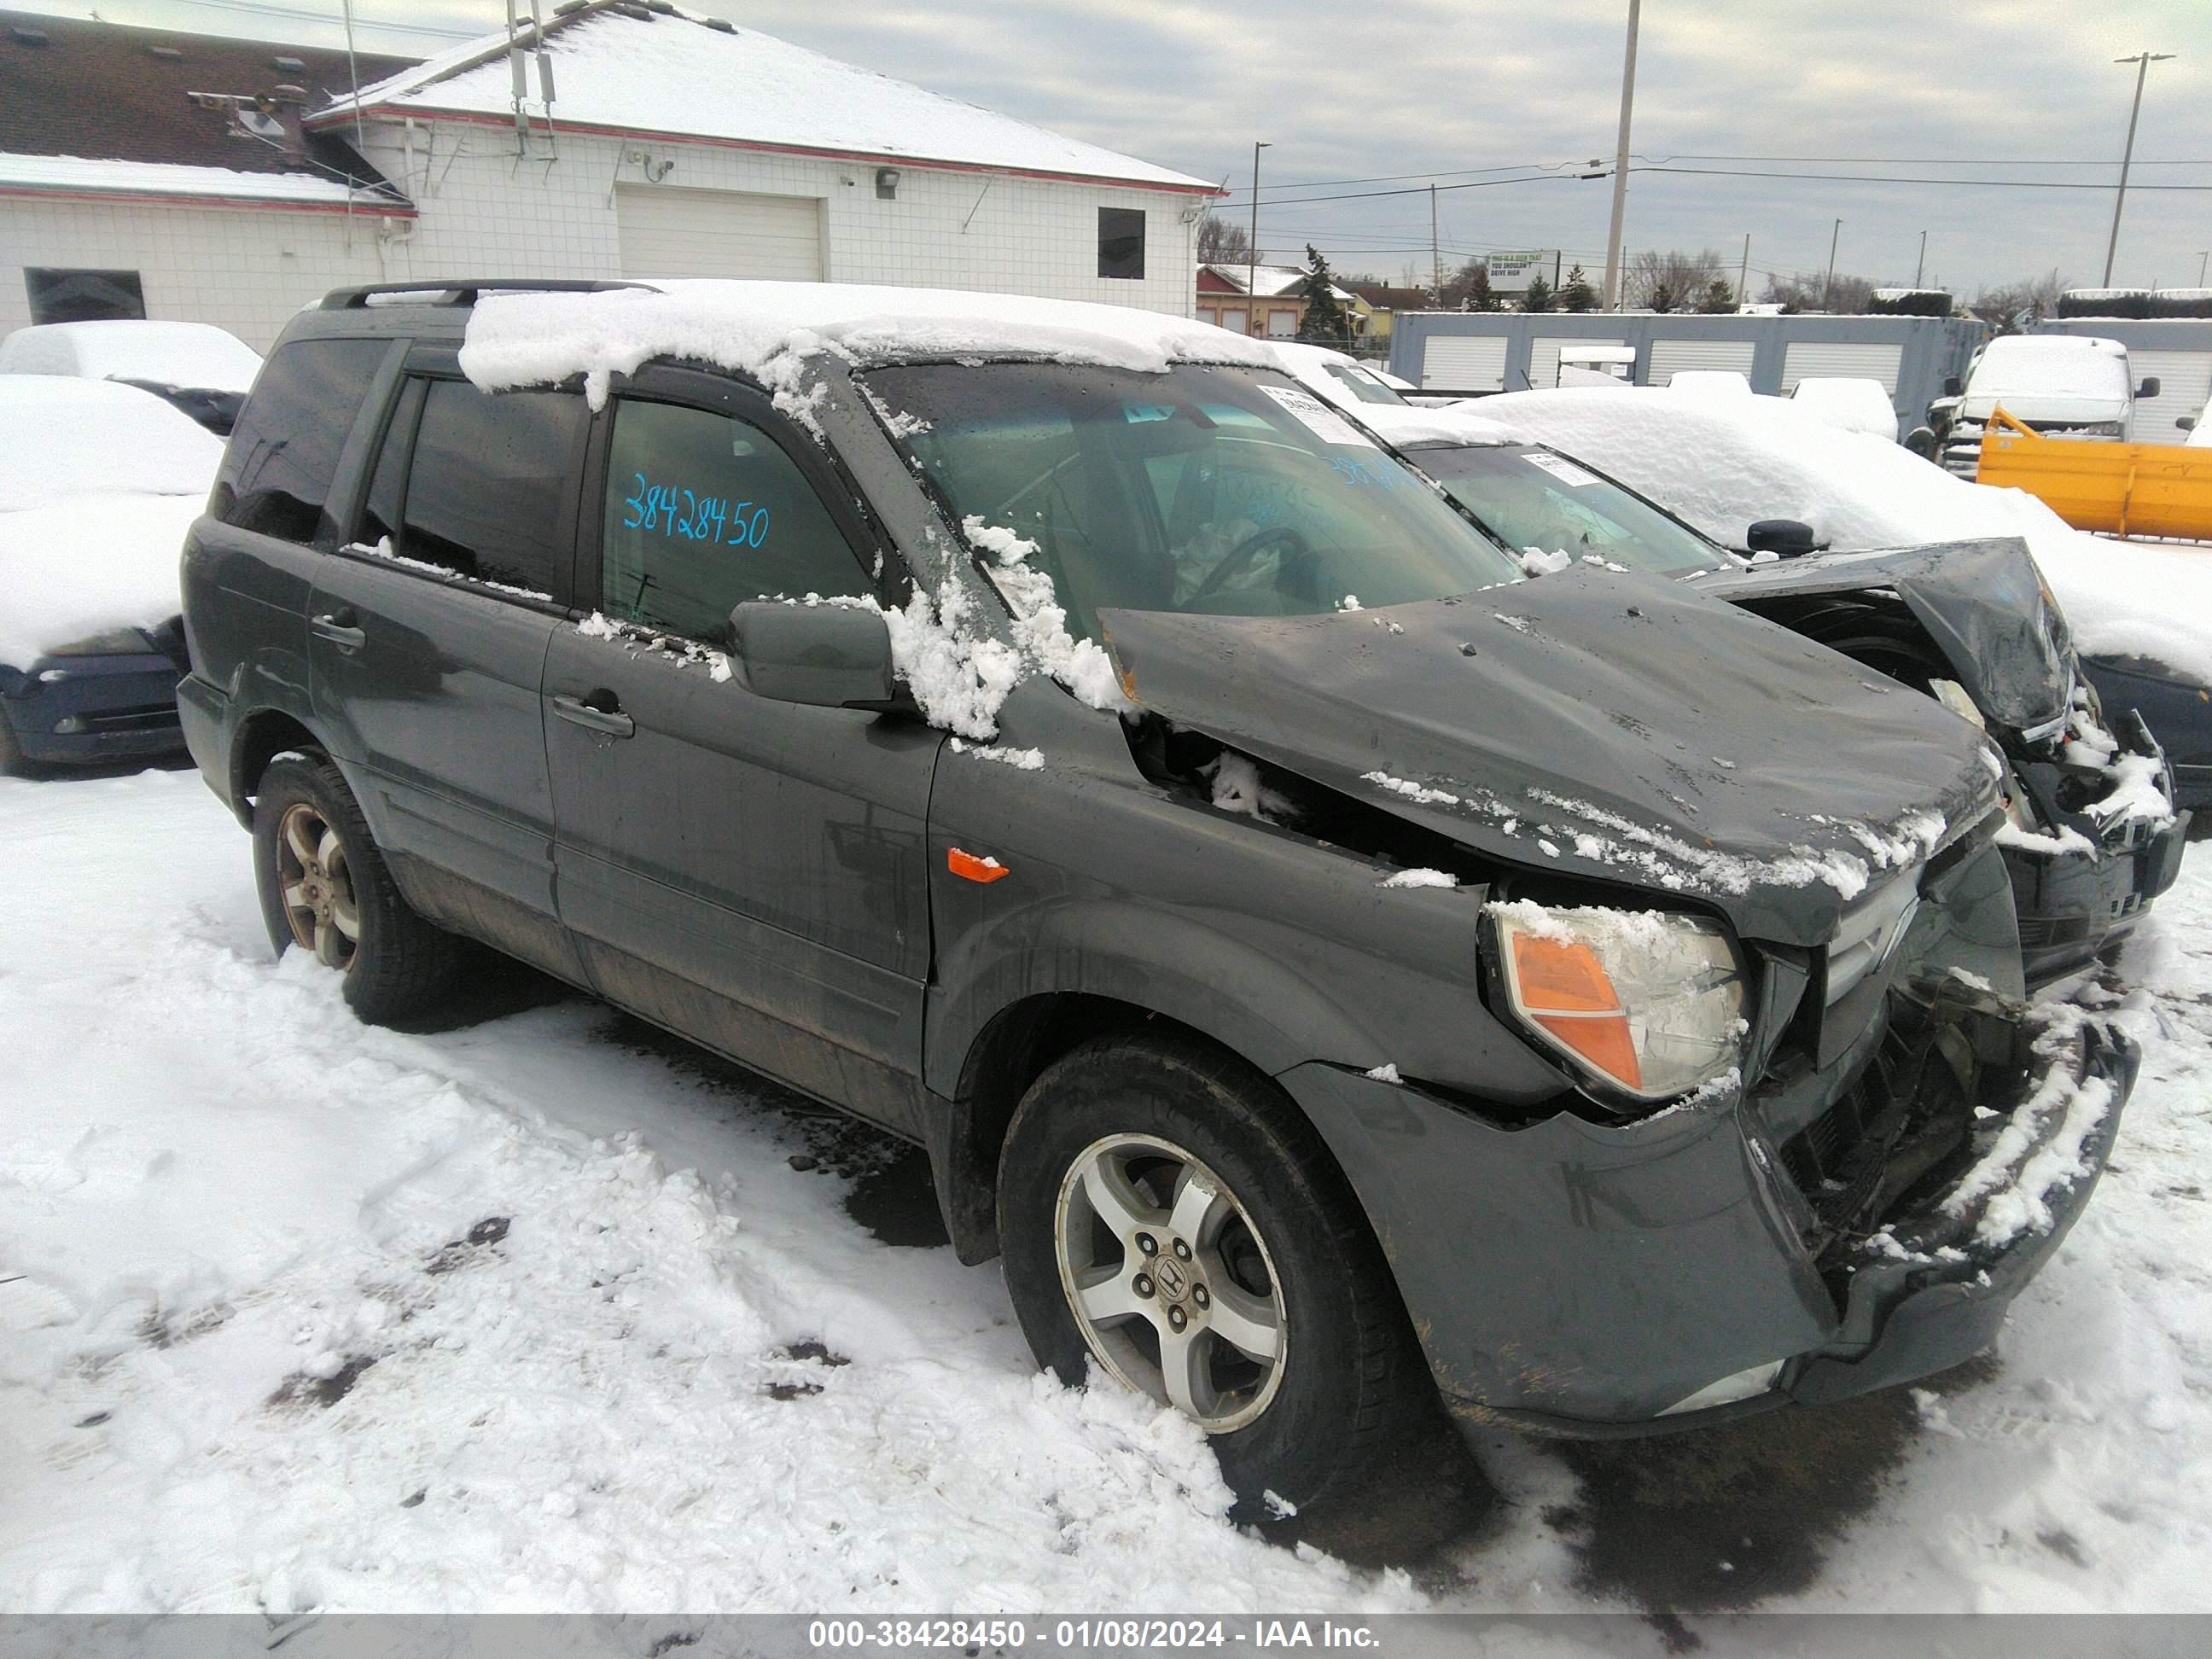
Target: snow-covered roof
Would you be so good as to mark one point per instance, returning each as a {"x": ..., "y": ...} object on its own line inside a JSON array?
[
  {"x": 173, "y": 353},
  {"x": 624, "y": 69},
  {"x": 82, "y": 175},
  {"x": 1267, "y": 282},
  {"x": 763, "y": 329}
]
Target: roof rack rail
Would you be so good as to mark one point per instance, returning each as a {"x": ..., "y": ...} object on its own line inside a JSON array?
[{"x": 465, "y": 292}]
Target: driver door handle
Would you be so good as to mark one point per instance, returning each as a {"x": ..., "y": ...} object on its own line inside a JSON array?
[{"x": 598, "y": 711}]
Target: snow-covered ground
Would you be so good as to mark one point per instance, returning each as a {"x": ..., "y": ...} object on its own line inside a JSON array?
[{"x": 543, "y": 1311}]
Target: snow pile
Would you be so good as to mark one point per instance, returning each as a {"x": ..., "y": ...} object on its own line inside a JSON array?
[
  {"x": 1238, "y": 787},
  {"x": 766, "y": 329},
  {"x": 97, "y": 562},
  {"x": 1722, "y": 468},
  {"x": 1534, "y": 562},
  {"x": 959, "y": 675},
  {"x": 61, "y": 438},
  {"x": 1419, "y": 877},
  {"x": 1022, "y": 760},
  {"x": 672, "y": 647},
  {"x": 174, "y": 354},
  {"x": 1853, "y": 403},
  {"x": 1040, "y": 623},
  {"x": 1405, "y": 423}
]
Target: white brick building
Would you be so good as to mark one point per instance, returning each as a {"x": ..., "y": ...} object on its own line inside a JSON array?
[{"x": 673, "y": 146}]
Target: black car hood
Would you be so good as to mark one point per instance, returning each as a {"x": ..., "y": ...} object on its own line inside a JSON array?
[
  {"x": 1982, "y": 602},
  {"x": 1612, "y": 724}
]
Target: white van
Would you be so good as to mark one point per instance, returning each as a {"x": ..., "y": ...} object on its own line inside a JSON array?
[{"x": 2062, "y": 385}]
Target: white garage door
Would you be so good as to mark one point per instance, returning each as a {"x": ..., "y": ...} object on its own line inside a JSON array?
[
  {"x": 670, "y": 231},
  {"x": 1670, "y": 357},
  {"x": 1463, "y": 363},
  {"x": 1544, "y": 358},
  {"x": 1821, "y": 360},
  {"x": 2184, "y": 380}
]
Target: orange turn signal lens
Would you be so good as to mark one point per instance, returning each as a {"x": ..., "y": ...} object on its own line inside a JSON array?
[
  {"x": 969, "y": 867},
  {"x": 1562, "y": 986}
]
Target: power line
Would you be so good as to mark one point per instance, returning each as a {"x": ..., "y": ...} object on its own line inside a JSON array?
[
  {"x": 1924, "y": 161},
  {"x": 301, "y": 14},
  {"x": 1880, "y": 178}
]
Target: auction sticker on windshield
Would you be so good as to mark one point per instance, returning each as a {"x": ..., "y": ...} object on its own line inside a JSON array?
[
  {"x": 1317, "y": 417},
  {"x": 1564, "y": 471}
]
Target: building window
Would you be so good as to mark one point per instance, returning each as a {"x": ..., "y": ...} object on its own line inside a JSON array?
[
  {"x": 91, "y": 296},
  {"x": 1122, "y": 243}
]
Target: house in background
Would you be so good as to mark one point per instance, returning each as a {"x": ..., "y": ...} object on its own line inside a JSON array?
[
  {"x": 642, "y": 143},
  {"x": 1377, "y": 307}
]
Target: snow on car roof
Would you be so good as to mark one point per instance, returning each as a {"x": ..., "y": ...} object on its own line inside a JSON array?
[
  {"x": 1410, "y": 424},
  {"x": 173, "y": 353},
  {"x": 1723, "y": 465},
  {"x": 763, "y": 329},
  {"x": 667, "y": 71},
  {"x": 61, "y": 437}
]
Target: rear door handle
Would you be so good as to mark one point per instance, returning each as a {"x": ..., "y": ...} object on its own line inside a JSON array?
[
  {"x": 578, "y": 712},
  {"x": 341, "y": 628}
]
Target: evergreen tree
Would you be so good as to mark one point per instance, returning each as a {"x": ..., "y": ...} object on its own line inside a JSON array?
[
  {"x": 1325, "y": 319},
  {"x": 1718, "y": 300},
  {"x": 1480, "y": 296},
  {"x": 1576, "y": 294},
  {"x": 1538, "y": 295}
]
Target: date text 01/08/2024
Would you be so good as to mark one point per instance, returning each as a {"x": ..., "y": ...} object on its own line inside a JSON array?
[{"x": 1108, "y": 1634}]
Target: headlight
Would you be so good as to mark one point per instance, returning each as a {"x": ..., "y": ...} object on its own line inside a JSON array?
[
  {"x": 115, "y": 642},
  {"x": 1646, "y": 1001}
]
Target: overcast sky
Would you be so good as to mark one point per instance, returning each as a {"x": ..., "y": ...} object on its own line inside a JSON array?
[{"x": 1973, "y": 89}]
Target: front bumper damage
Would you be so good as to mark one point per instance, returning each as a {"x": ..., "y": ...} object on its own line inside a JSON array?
[{"x": 1851, "y": 1222}]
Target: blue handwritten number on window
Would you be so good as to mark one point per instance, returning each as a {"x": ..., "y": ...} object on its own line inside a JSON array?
[{"x": 691, "y": 517}]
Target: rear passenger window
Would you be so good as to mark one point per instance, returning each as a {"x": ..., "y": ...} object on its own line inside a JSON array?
[
  {"x": 704, "y": 511},
  {"x": 486, "y": 490},
  {"x": 275, "y": 476}
]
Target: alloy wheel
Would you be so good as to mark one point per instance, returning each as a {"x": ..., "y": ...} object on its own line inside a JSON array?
[
  {"x": 1170, "y": 1283},
  {"x": 316, "y": 885}
]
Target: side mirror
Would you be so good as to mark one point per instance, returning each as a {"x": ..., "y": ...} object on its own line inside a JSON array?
[
  {"x": 1790, "y": 539},
  {"x": 2148, "y": 388},
  {"x": 826, "y": 656},
  {"x": 1954, "y": 387},
  {"x": 2187, "y": 423}
]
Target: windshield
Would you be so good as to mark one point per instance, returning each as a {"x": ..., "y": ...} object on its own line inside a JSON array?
[
  {"x": 1535, "y": 501},
  {"x": 1362, "y": 384},
  {"x": 1214, "y": 491}
]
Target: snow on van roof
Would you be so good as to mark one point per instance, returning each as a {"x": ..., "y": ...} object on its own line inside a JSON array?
[
  {"x": 634, "y": 70},
  {"x": 763, "y": 329},
  {"x": 2052, "y": 365}
]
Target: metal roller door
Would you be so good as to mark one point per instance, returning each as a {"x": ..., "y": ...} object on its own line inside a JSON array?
[
  {"x": 1823, "y": 360},
  {"x": 1670, "y": 357},
  {"x": 1544, "y": 357},
  {"x": 2184, "y": 380},
  {"x": 666, "y": 231},
  {"x": 1463, "y": 363}
]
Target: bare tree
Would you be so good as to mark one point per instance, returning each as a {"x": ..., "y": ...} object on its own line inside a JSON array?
[
  {"x": 1672, "y": 281},
  {"x": 1221, "y": 241},
  {"x": 1813, "y": 291},
  {"x": 2011, "y": 308}
]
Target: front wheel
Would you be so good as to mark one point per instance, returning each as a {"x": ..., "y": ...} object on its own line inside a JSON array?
[
  {"x": 1170, "y": 1223},
  {"x": 325, "y": 888}
]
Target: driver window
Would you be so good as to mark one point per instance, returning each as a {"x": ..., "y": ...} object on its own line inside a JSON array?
[{"x": 704, "y": 511}]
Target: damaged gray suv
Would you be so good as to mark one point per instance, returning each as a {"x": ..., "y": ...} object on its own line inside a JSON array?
[{"x": 1333, "y": 973}]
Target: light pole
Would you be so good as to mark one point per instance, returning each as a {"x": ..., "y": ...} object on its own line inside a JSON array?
[
  {"x": 1828, "y": 283},
  {"x": 2143, "y": 61},
  {"x": 1252, "y": 249},
  {"x": 1743, "y": 273},
  {"x": 2202, "y": 254},
  {"x": 1921, "y": 263},
  {"x": 1614, "y": 295}
]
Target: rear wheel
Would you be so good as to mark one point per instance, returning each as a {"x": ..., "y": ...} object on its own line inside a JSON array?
[
  {"x": 325, "y": 888},
  {"x": 1170, "y": 1222}
]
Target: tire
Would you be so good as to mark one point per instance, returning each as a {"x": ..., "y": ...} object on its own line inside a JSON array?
[
  {"x": 310, "y": 839},
  {"x": 1153, "y": 1119}
]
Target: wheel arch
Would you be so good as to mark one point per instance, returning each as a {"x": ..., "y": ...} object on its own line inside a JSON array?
[{"x": 259, "y": 736}]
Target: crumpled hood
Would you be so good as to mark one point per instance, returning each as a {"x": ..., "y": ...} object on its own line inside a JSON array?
[
  {"x": 1612, "y": 724},
  {"x": 1983, "y": 602}
]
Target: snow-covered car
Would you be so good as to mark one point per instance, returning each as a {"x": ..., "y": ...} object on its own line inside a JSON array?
[
  {"x": 1855, "y": 403},
  {"x": 2092, "y": 839},
  {"x": 1332, "y": 971},
  {"x": 197, "y": 369},
  {"x": 1709, "y": 383},
  {"x": 2140, "y": 615},
  {"x": 99, "y": 483},
  {"x": 1345, "y": 374}
]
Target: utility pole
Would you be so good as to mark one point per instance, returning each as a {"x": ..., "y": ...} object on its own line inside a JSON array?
[
  {"x": 2202, "y": 254},
  {"x": 1436, "y": 257},
  {"x": 2143, "y": 61},
  {"x": 1252, "y": 252},
  {"x": 1612, "y": 272},
  {"x": 1921, "y": 263},
  {"x": 1828, "y": 283},
  {"x": 1743, "y": 272}
]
